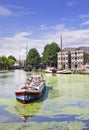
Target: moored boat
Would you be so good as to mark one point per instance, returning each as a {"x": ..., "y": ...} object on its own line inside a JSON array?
[
  {"x": 31, "y": 90},
  {"x": 51, "y": 70},
  {"x": 55, "y": 71},
  {"x": 65, "y": 71}
]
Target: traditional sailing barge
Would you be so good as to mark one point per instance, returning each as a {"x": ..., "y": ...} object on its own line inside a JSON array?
[{"x": 31, "y": 90}]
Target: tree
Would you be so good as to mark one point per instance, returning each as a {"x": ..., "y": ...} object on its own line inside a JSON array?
[
  {"x": 12, "y": 57},
  {"x": 10, "y": 62},
  {"x": 33, "y": 57},
  {"x": 3, "y": 60},
  {"x": 6, "y": 62},
  {"x": 50, "y": 54}
]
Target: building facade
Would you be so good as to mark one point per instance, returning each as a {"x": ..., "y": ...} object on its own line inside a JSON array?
[
  {"x": 63, "y": 60},
  {"x": 71, "y": 59},
  {"x": 77, "y": 59}
]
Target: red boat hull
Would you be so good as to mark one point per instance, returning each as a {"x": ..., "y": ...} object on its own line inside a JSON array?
[{"x": 25, "y": 96}]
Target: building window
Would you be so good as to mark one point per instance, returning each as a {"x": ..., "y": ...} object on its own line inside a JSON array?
[
  {"x": 75, "y": 53},
  {"x": 76, "y": 65},
  {"x": 75, "y": 58}
]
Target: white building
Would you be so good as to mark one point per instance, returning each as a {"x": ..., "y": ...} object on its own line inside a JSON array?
[
  {"x": 71, "y": 58},
  {"x": 63, "y": 60}
]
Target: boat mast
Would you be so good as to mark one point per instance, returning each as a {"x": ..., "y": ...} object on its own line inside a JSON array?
[
  {"x": 61, "y": 53},
  {"x": 26, "y": 50},
  {"x": 61, "y": 42},
  {"x": 26, "y": 53}
]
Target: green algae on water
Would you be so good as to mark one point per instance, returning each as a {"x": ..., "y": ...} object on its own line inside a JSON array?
[
  {"x": 65, "y": 103},
  {"x": 43, "y": 126}
]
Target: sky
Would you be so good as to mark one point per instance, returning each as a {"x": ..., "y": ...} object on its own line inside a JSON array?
[{"x": 36, "y": 23}]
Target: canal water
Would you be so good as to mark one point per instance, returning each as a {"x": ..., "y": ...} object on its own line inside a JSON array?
[{"x": 64, "y": 106}]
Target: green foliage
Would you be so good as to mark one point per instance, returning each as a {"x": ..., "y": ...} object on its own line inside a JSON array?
[
  {"x": 12, "y": 57},
  {"x": 6, "y": 62},
  {"x": 11, "y": 62},
  {"x": 50, "y": 54},
  {"x": 33, "y": 57}
]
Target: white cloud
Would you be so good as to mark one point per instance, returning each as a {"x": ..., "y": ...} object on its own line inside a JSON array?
[
  {"x": 71, "y": 3},
  {"x": 16, "y": 45},
  {"x": 5, "y": 11},
  {"x": 58, "y": 27},
  {"x": 85, "y": 23},
  {"x": 83, "y": 16},
  {"x": 22, "y": 35},
  {"x": 15, "y": 10},
  {"x": 76, "y": 38},
  {"x": 22, "y": 53},
  {"x": 71, "y": 38},
  {"x": 43, "y": 27}
]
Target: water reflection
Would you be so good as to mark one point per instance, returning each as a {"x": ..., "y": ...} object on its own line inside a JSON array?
[
  {"x": 25, "y": 111},
  {"x": 19, "y": 76}
]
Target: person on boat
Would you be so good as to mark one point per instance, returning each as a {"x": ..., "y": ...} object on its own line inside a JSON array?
[
  {"x": 33, "y": 83},
  {"x": 25, "y": 86}
]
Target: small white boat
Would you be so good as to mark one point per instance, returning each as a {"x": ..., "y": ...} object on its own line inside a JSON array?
[
  {"x": 31, "y": 90},
  {"x": 65, "y": 71},
  {"x": 50, "y": 70}
]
